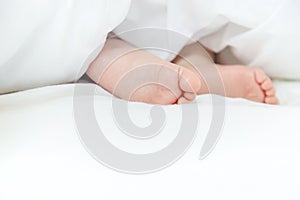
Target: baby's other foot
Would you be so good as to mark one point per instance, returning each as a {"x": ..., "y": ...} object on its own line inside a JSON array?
[
  {"x": 227, "y": 80},
  {"x": 249, "y": 83}
]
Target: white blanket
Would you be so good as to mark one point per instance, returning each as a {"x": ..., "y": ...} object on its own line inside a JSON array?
[
  {"x": 260, "y": 33},
  {"x": 42, "y": 156},
  {"x": 52, "y": 41}
]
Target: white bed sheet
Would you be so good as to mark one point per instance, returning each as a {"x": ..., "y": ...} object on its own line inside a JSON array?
[{"x": 41, "y": 155}]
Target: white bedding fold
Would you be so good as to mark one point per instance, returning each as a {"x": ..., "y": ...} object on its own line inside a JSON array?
[
  {"x": 260, "y": 33},
  {"x": 52, "y": 41}
]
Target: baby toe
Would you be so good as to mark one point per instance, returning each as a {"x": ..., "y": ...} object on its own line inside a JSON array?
[
  {"x": 183, "y": 100},
  {"x": 260, "y": 75},
  {"x": 271, "y": 92},
  {"x": 188, "y": 81},
  {"x": 267, "y": 84},
  {"x": 271, "y": 100},
  {"x": 189, "y": 96}
]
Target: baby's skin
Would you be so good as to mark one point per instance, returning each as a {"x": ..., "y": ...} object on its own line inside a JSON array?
[
  {"x": 237, "y": 81},
  {"x": 136, "y": 75}
]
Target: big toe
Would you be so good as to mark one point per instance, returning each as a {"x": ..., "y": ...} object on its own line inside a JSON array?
[
  {"x": 188, "y": 81},
  {"x": 189, "y": 84}
]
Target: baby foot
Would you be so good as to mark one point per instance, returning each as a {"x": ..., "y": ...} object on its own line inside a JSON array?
[
  {"x": 237, "y": 81},
  {"x": 249, "y": 83},
  {"x": 163, "y": 83},
  {"x": 137, "y": 75}
]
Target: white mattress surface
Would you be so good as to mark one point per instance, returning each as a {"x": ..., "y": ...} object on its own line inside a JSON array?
[{"x": 42, "y": 156}]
